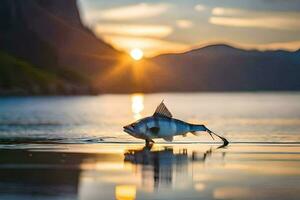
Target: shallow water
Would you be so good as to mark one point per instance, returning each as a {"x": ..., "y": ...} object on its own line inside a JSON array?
[
  {"x": 74, "y": 148},
  {"x": 128, "y": 172},
  {"x": 242, "y": 117}
]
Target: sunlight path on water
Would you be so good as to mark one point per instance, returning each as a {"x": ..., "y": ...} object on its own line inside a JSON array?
[{"x": 137, "y": 105}]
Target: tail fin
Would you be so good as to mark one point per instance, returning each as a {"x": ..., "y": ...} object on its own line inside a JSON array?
[
  {"x": 195, "y": 128},
  {"x": 225, "y": 141}
]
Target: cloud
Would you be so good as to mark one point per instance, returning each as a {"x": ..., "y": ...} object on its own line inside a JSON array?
[
  {"x": 264, "y": 22},
  {"x": 228, "y": 11},
  {"x": 199, "y": 7},
  {"x": 183, "y": 23},
  {"x": 150, "y": 46},
  {"x": 255, "y": 19},
  {"x": 157, "y": 31},
  {"x": 131, "y": 12}
]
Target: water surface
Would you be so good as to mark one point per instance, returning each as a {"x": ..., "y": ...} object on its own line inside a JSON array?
[
  {"x": 242, "y": 117},
  {"x": 74, "y": 148}
]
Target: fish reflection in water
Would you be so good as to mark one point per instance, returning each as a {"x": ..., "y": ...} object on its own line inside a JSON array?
[{"x": 162, "y": 163}]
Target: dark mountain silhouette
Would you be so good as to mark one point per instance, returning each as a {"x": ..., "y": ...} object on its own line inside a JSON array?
[
  {"x": 45, "y": 49},
  {"x": 49, "y": 36},
  {"x": 225, "y": 68}
]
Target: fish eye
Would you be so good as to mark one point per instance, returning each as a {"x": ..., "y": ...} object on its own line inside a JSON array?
[{"x": 133, "y": 124}]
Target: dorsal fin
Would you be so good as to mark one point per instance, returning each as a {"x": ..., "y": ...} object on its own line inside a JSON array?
[
  {"x": 168, "y": 138},
  {"x": 162, "y": 110}
]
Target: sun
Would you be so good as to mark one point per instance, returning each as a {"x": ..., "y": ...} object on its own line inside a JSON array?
[{"x": 136, "y": 54}]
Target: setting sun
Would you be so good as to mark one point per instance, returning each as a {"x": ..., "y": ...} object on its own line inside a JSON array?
[{"x": 136, "y": 54}]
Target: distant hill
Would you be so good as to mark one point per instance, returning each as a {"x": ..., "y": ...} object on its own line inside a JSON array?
[
  {"x": 49, "y": 35},
  {"x": 225, "y": 68}
]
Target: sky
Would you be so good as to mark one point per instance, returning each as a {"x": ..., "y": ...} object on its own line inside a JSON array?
[{"x": 157, "y": 26}]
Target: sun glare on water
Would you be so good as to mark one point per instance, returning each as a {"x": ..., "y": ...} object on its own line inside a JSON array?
[
  {"x": 125, "y": 192},
  {"x": 137, "y": 105},
  {"x": 136, "y": 54}
]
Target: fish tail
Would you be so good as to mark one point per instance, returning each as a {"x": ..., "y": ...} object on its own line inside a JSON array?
[{"x": 194, "y": 128}]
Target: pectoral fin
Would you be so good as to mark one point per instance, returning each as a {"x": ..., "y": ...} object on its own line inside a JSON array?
[
  {"x": 195, "y": 133},
  {"x": 154, "y": 130},
  {"x": 169, "y": 138}
]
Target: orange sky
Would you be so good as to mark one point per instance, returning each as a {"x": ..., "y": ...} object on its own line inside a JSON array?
[{"x": 172, "y": 26}]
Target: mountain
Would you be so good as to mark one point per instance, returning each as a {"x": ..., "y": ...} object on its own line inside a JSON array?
[
  {"x": 45, "y": 49},
  {"x": 225, "y": 68},
  {"x": 49, "y": 36}
]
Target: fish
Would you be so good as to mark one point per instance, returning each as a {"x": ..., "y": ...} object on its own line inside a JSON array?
[{"x": 162, "y": 125}]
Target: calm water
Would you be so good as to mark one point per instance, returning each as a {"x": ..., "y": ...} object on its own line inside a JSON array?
[
  {"x": 242, "y": 117},
  {"x": 74, "y": 148}
]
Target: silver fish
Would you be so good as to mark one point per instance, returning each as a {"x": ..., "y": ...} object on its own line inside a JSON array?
[{"x": 163, "y": 125}]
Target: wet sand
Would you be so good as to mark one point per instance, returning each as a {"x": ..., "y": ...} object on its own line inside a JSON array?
[{"x": 167, "y": 171}]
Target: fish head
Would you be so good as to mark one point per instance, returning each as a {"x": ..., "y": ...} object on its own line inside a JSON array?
[{"x": 135, "y": 129}]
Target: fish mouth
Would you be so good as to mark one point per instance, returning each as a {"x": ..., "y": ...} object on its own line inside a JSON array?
[{"x": 128, "y": 129}]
